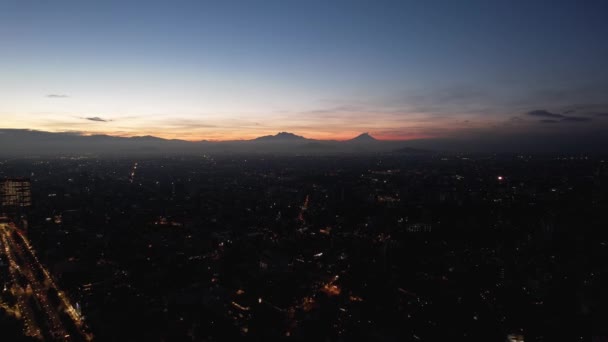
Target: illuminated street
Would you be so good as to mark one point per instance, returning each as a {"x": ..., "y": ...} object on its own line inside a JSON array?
[{"x": 34, "y": 289}]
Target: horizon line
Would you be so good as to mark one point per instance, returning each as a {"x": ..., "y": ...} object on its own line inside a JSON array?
[{"x": 89, "y": 134}]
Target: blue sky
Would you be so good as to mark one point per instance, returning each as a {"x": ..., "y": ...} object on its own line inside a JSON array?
[{"x": 239, "y": 69}]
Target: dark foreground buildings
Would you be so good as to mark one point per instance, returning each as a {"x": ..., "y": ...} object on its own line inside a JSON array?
[
  {"x": 341, "y": 248},
  {"x": 15, "y": 199},
  {"x": 15, "y": 192}
]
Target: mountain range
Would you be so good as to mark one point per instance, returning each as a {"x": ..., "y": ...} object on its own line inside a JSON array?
[{"x": 30, "y": 142}]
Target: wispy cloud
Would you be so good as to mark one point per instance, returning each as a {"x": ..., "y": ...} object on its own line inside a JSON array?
[
  {"x": 551, "y": 118},
  {"x": 57, "y": 96},
  {"x": 544, "y": 114},
  {"x": 96, "y": 118},
  {"x": 576, "y": 119}
]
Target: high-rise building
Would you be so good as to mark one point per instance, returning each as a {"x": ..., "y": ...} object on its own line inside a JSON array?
[{"x": 15, "y": 192}]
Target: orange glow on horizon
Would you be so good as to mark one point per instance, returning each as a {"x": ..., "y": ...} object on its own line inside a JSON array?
[
  {"x": 238, "y": 129},
  {"x": 244, "y": 136}
]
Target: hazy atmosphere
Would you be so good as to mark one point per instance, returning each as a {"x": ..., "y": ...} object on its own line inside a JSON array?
[
  {"x": 303, "y": 170},
  {"x": 511, "y": 74}
]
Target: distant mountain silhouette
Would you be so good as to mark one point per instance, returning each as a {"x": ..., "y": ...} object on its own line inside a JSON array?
[
  {"x": 25, "y": 142},
  {"x": 29, "y": 142},
  {"x": 150, "y": 138},
  {"x": 281, "y": 136},
  {"x": 363, "y": 137}
]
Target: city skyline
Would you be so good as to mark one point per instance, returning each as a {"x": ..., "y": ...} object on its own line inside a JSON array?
[
  {"x": 327, "y": 71},
  {"x": 303, "y": 170}
]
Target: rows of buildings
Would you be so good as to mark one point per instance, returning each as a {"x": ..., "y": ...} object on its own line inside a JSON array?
[{"x": 325, "y": 248}]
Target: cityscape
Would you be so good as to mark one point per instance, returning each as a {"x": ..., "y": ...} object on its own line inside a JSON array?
[
  {"x": 379, "y": 247},
  {"x": 313, "y": 170}
]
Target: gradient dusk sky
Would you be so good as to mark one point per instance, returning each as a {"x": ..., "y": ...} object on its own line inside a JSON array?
[{"x": 226, "y": 70}]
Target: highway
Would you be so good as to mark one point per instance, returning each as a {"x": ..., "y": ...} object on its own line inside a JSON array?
[{"x": 47, "y": 312}]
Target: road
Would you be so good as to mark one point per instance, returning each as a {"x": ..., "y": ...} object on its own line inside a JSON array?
[
  {"x": 47, "y": 311},
  {"x": 303, "y": 208},
  {"x": 132, "y": 173}
]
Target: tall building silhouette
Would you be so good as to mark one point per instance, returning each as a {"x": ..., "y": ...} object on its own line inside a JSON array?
[{"x": 15, "y": 192}]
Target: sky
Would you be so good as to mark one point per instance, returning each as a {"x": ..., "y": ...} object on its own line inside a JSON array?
[{"x": 229, "y": 70}]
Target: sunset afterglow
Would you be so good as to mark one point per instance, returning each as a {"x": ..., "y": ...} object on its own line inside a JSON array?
[{"x": 324, "y": 71}]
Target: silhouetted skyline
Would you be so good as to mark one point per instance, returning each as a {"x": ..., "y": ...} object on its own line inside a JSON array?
[{"x": 19, "y": 142}]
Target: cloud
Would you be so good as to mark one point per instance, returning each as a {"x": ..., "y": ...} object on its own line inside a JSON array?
[
  {"x": 588, "y": 111},
  {"x": 552, "y": 118},
  {"x": 576, "y": 119},
  {"x": 57, "y": 96},
  {"x": 544, "y": 114},
  {"x": 96, "y": 118}
]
